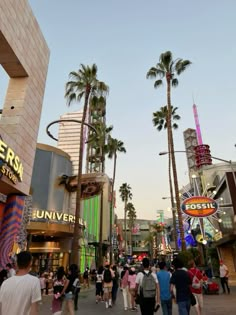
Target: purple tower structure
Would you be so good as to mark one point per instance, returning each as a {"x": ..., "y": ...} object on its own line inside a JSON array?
[{"x": 202, "y": 151}]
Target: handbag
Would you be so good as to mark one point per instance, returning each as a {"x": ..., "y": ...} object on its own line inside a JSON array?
[{"x": 192, "y": 299}]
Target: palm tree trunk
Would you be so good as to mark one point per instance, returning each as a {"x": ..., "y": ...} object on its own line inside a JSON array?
[
  {"x": 173, "y": 208},
  {"x": 172, "y": 154},
  {"x": 77, "y": 229},
  {"x": 125, "y": 227},
  {"x": 111, "y": 206}
]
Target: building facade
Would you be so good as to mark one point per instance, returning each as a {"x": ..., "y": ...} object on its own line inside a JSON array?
[{"x": 24, "y": 56}]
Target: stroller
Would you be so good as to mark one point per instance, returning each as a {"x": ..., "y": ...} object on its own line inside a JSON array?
[{"x": 210, "y": 287}]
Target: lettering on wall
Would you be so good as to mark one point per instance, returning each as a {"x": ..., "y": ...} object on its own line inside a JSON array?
[
  {"x": 10, "y": 164},
  {"x": 55, "y": 216}
]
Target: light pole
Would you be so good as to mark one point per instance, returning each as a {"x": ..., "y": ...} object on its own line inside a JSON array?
[{"x": 173, "y": 210}]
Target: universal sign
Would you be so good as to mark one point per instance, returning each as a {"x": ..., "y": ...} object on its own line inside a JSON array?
[
  {"x": 43, "y": 215},
  {"x": 11, "y": 165},
  {"x": 199, "y": 206}
]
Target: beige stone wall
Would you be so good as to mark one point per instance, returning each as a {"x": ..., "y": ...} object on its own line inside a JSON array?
[{"x": 24, "y": 55}]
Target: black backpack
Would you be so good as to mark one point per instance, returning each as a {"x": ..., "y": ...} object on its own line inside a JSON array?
[{"x": 107, "y": 276}]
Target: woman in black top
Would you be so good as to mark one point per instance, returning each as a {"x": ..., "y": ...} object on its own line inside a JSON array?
[{"x": 70, "y": 289}]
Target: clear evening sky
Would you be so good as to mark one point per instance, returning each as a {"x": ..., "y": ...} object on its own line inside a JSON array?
[{"x": 125, "y": 38}]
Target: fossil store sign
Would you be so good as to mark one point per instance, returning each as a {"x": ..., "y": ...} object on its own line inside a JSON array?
[
  {"x": 10, "y": 164},
  {"x": 54, "y": 216}
]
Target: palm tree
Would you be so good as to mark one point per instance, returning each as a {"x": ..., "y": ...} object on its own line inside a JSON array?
[
  {"x": 169, "y": 68},
  {"x": 160, "y": 121},
  {"x": 131, "y": 214},
  {"x": 82, "y": 85},
  {"x": 113, "y": 146},
  {"x": 125, "y": 194}
]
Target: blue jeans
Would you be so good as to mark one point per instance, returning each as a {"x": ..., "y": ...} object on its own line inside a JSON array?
[
  {"x": 184, "y": 307},
  {"x": 166, "y": 306}
]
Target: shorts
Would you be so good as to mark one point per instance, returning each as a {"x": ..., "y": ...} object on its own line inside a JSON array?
[
  {"x": 69, "y": 296},
  {"x": 107, "y": 289},
  {"x": 132, "y": 292},
  {"x": 199, "y": 299}
]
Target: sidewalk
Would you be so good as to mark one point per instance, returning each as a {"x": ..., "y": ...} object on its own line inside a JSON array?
[{"x": 222, "y": 304}]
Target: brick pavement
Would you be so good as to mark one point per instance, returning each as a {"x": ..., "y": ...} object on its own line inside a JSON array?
[{"x": 222, "y": 304}]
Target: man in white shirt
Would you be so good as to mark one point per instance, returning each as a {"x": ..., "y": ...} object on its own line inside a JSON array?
[
  {"x": 224, "y": 274},
  {"x": 20, "y": 294},
  {"x": 147, "y": 304}
]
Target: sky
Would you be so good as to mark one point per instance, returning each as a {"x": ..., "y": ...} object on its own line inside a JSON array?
[{"x": 124, "y": 39}]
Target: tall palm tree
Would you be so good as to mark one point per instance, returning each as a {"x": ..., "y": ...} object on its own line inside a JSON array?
[
  {"x": 168, "y": 67},
  {"x": 131, "y": 214},
  {"x": 160, "y": 121},
  {"x": 82, "y": 85},
  {"x": 126, "y": 195},
  {"x": 113, "y": 146}
]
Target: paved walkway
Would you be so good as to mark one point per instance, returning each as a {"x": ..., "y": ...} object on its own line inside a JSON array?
[{"x": 222, "y": 304}]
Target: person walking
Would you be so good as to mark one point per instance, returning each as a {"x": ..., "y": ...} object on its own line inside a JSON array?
[
  {"x": 69, "y": 288},
  {"x": 115, "y": 284},
  {"x": 148, "y": 289},
  {"x": 132, "y": 286},
  {"x": 196, "y": 286},
  {"x": 21, "y": 293},
  {"x": 224, "y": 277},
  {"x": 163, "y": 277},
  {"x": 42, "y": 283},
  {"x": 86, "y": 277},
  {"x": 125, "y": 287},
  {"x": 58, "y": 286},
  {"x": 108, "y": 275},
  {"x": 99, "y": 281},
  {"x": 181, "y": 281}
]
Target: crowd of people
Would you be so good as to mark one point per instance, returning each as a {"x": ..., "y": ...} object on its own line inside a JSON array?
[{"x": 150, "y": 287}]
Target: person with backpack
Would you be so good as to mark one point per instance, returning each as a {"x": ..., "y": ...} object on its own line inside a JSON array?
[
  {"x": 147, "y": 288},
  {"x": 108, "y": 275},
  {"x": 196, "y": 286}
]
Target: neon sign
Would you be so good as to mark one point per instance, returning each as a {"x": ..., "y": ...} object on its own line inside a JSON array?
[{"x": 199, "y": 206}]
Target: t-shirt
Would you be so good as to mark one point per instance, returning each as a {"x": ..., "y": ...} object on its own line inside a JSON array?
[
  {"x": 131, "y": 280},
  {"x": 108, "y": 284},
  {"x": 195, "y": 272},
  {"x": 163, "y": 277},
  {"x": 11, "y": 273},
  {"x": 223, "y": 270},
  {"x": 99, "y": 278},
  {"x": 180, "y": 278},
  {"x": 18, "y": 293}
]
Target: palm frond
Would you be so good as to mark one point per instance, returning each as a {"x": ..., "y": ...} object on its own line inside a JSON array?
[
  {"x": 158, "y": 83},
  {"x": 174, "y": 82},
  {"x": 182, "y": 65},
  {"x": 152, "y": 73}
]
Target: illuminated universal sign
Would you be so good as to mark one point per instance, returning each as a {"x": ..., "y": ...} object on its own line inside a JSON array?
[
  {"x": 199, "y": 206},
  {"x": 10, "y": 164},
  {"x": 59, "y": 217}
]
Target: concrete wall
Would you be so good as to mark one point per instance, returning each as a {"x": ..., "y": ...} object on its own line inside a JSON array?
[{"x": 24, "y": 55}]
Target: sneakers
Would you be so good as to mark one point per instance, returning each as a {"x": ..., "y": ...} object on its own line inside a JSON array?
[
  {"x": 107, "y": 305},
  {"x": 133, "y": 309},
  {"x": 96, "y": 301},
  {"x": 126, "y": 308}
]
